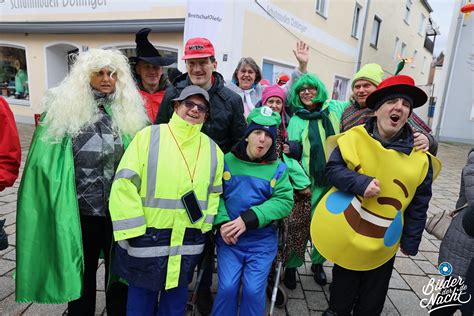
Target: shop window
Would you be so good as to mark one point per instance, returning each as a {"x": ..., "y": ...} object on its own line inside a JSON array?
[{"x": 14, "y": 74}]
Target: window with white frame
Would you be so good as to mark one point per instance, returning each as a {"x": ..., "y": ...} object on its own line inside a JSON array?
[
  {"x": 14, "y": 84},
  {"x": 339, "y": 88},
  {"x": 374, "y": 38},
  {"x": 413, "y": 61},
  {"x": 356, "y": 20},
  {"x": 423, "y": 66},
  {"x": 403, "y": 50},
  {"x": 396, "y": 48},
  {"x": 322, "y": 7},
  {"x": 407, "y": 11},
  {"x": 421, "y": 28}
]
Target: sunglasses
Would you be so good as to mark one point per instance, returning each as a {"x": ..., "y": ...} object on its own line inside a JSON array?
[
  {"x": 309, "y": 89},
  {"x": 190, "y": 105}
]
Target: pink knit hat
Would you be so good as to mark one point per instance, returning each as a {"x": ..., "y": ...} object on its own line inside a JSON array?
[
  {"x": 276, "y": 91},
  {"x": 273, "y": 91}
]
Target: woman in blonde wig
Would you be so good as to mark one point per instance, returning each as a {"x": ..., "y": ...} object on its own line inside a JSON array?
[{"x": 63, "y": 221}]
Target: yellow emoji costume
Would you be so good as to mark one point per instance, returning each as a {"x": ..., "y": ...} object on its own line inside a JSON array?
[{"x": 362, "y": 234}]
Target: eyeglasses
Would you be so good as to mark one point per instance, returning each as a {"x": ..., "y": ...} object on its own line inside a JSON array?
[
  {"x": 309, "y": 89},
  {"x": 190, "y": 105}
]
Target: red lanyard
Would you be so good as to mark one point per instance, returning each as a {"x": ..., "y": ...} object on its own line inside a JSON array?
[{"x": 182, "y": 155}]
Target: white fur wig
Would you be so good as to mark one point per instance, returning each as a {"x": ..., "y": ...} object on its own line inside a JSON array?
[{"x": 70, "y": 107}]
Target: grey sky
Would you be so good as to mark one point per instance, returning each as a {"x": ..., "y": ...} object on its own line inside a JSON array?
[{"x": 442, "y": 15}]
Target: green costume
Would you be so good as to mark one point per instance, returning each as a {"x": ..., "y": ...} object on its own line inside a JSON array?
[
  {"x": 303, "y": 127},
  {"x": 21, "y": 78},
  {"x": 49, "y": 253}
]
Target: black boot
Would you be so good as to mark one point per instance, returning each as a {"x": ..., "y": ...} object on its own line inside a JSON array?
[
  {"x": 290, "y": 278},
  {"x": 3, "y": 236},
  {"x": 319, "y": 274},
  {"x": 204, "y": 301},
  {"x": 329, "y": 312}
]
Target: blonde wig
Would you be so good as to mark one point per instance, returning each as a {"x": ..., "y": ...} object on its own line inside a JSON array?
[{"x": 71, "y": 107}]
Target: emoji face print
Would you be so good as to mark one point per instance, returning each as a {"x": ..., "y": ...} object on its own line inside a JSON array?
[
  {"x": 358, "y": 233},
  {"x": 365, "y": 222},
  {"x": 363, "y": 233}
]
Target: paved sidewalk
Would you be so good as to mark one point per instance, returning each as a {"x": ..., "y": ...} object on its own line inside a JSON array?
[{"x": 404, "y": 294}]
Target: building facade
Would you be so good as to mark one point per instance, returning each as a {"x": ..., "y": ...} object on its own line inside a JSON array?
[
  {"x": 454, "y": 115},
  {"x": 38, "y": 38}
]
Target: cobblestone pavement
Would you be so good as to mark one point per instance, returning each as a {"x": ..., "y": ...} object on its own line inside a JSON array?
[{"x": 408, "y": 278}]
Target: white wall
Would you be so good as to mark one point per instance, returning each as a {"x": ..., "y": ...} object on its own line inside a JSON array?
[
  {"x": 56, "y": 64},
  {"x": 455, "y": 122}
]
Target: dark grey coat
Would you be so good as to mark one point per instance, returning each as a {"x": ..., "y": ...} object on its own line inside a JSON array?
[
  {"x": 466, "y": 193},
  {"x": 457, "y": 247}
]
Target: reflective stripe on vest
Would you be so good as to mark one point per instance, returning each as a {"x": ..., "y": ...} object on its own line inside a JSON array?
[
  {"x": 217, "y": 189},
  {"x": 130, "y": 175},
  {"x": 128, "y": 223},
  {"x": 150, "y": 201},
  {"x": 160, "y": 251}
]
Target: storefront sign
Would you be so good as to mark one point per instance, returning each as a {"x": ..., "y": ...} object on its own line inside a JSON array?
[{"x": 38, "y": 7}]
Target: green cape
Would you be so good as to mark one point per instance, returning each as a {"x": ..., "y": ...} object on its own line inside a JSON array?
[{"x": 49, "y": 255}]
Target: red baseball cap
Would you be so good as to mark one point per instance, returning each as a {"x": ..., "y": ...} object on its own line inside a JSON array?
[
  {"x": 282, "y": 79},
  {"x": 198, "y": 47}
]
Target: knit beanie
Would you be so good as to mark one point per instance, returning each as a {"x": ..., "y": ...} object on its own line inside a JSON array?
[
  {"x": 369, "y": 72},
  {"x": 263, "y": 118},
  {"x": 273, "y": 91}
]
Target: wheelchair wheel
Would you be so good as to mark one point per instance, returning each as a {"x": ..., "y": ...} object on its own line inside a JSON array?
[{"x": 281, "y": 297}]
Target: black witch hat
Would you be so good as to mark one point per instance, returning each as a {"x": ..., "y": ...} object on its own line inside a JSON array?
[{"x": 147, "y": 52}]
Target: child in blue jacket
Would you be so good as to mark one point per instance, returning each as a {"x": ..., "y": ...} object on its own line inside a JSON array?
[{"x": 257, "y": 191}]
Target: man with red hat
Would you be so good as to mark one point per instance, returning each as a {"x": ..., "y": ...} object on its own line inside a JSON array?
[
  {"x": 378, "y": 202},
  {"x": 365, "y": 82},
  {"x": 149, "y": 76},
  {"x": 225, "y": 124}
]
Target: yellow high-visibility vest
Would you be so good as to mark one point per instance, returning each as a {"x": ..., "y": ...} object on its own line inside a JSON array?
[{"x": 150, "y": 181}]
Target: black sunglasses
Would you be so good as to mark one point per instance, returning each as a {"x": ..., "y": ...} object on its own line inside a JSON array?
[{"x": 201, "y": 108}]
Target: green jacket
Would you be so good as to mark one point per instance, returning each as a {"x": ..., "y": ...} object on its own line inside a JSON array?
[
  {"x": 298, "y": 131},
  {"x": 262, "y": 187}
]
